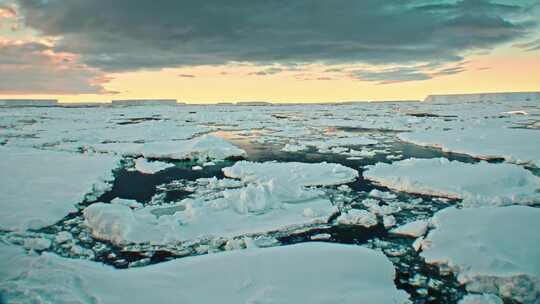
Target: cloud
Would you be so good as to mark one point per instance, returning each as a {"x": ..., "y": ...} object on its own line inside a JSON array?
[
  {"x": 404, "y": 74},
  {"x": 267, "y": 71},
  {"x": 34, "y": 68},
  {"x": 529, "y": 46},
  {"x": 123, "y": 35}
]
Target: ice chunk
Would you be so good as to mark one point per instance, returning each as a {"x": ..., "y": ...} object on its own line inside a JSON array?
[
  {"x": 294, "y": 148},
  {"x": 477, "y": 184},
  {"x": 39, "y": 187},
  {"x": 492, "y": 249},
  {"x": 38, "y": 244},
  {"x": 358, "y": 217},
  {"x": 150, "y": 167},
  {"x": 303, "y": 174},
  {"x": 121, "y": 225},
  {"x": 288, "y": 274},
  {"x": 199, "y": 148},
  {"x": 414, "y": 229}
]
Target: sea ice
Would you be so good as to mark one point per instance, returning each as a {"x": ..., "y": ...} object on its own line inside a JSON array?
[
  {"x": 492, "y": 249},
  {"x": 414, "y": 229},
  {"x": 477, "y": 184},
  {"x": 288, "y": 274},
  {"x": 269, "y": 196},
  {"x": 202, "y": 148},
  {"x": 39, "y": 187},
  {"x": 358, "y": 217},
  {"x": 514, "y": 144},
  {"x": 150, "y": 167}
]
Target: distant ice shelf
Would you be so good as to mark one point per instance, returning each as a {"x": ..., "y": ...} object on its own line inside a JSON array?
[{"x": 484, "y": 97}]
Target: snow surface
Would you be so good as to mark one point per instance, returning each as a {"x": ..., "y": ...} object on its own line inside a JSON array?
[
  {"x": 477, "y": 184},
  {"x": 200, "y": 148},
  {"x": 39, "y": 188},
  {"x": 492, "y": 249},
  {"x": 485, "y": 141},
  {"x": 358, "y": 217},
  {"x": 481, "y": 299},
  {"x": 414, "y": 229},
  {"x": 304, "y": 273},
  {"x": 150, "y": 167}
]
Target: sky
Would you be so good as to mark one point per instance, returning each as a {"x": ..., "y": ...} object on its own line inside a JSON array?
[{"x": 203, "y": 51}]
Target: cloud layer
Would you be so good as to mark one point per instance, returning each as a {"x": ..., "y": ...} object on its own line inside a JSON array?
[
  {"x": 126, "y": 35},
  {"x": 33, "y": 68}
]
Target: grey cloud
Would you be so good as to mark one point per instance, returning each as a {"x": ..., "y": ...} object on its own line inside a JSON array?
[
  {"x": 391, "y": 75},
  {"x": 267, "y": 71},
  {"x": 529, "y": 46},
  {"x": 128, "y": 35},
  {"x": 404, "y": 74},
  {"x": 27, "y": 68}
]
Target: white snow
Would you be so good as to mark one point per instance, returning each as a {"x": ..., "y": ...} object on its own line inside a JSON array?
[
  {"x": 492, "y": 249},
  {"x": 484, "y": 141},
  {"x": 304, "y": 273},
  {"x": 37, "y": 244},
  {"x": 150, "y": 167},
  {"x": 358, "y": 217},
  {"x": 477, "y": 184},
  {"x": 39, "y": 188},
  {"x": 481, "y": 299},
  {"x": 294, "y": 148},
  {"x": 300, "y": 174},
  {"x": 414, "y": 229},
  {"x": 199, "y": 148}
]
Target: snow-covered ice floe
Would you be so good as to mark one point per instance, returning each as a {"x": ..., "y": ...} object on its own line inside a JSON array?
[
  {"x": 492, "y": 249},
  {"x": 200, "y": 148},
  {"x": 268, "y": 196},
  {"x": 477, "y": 184},
  {"x": 39, "y": 187},
  {"x": 415, "y": 229},
  {"x": 513, "y": 144},
  {"x": 150, "y": 167},
  {"x": 304, "y": 273},
  {"x": 481, "y": 299}
]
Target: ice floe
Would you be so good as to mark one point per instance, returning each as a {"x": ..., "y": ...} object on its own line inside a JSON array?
[
  {"x": 477, "y": 184},
  {"x": 201, "y": 148},
  {"x": 267, "y": 196},
  {"x": 289, "y": 274},
  {"x": 150, "y": 167},
  {"x": 39, "y": 188},
  {"x": 358, "y": 217},
  {"x": 492, "y": 249},
  {"x": 414, "y": 229},
  {"x": 491, "y": 141},
  {"x": 481, "y": 299}
]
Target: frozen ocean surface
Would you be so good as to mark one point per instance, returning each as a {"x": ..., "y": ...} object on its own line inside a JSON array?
[{"x": 361, "y": 203}]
